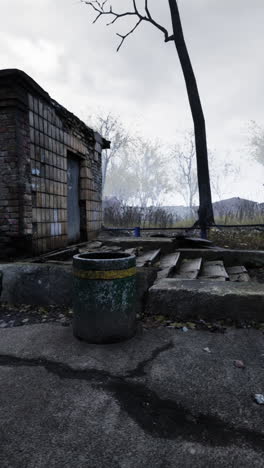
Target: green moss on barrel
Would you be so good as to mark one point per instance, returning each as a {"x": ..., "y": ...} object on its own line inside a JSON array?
[{"x": 104, "y": 298}]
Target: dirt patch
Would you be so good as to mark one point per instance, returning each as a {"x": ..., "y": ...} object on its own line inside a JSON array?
[
  {"x": 238, "y": 238},
  {"x": 16, "y": 316},
  {"x": 21, "y": 315}
]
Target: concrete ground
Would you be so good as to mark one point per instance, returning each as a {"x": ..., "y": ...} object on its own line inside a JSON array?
[{"x": 157, "y": 401}]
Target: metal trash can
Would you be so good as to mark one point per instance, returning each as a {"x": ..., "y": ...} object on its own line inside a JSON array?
[{"x": 104, "y": 296}]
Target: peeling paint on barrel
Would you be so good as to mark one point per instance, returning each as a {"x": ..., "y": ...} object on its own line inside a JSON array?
[{"x": 105, "y": 309}]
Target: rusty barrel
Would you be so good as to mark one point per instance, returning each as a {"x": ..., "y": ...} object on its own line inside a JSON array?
[{"x": 104, "y": 296}]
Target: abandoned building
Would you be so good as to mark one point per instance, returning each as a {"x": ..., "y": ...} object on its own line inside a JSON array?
[{"x": 50, "y": 170}]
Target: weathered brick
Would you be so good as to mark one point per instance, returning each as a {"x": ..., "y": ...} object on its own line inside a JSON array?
[{"x": 34, "y": 142}]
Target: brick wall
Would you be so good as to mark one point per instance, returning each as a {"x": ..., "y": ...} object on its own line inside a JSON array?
[
  {"x": 52, "y": 136},
  {"x": 15, "y": 190},
  {"x": 9, "y": 205},
  {"x": 36, "y": 137}
]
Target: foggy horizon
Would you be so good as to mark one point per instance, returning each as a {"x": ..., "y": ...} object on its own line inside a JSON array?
[{"x": 77, "y": 64}]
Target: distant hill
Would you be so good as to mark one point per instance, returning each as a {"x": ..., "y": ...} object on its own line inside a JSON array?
[
  {"x": 233, "y": 207},
  {"x": 237, "y": 207}
]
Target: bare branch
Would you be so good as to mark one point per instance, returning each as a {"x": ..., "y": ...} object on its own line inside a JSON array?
[
  {"x": 123, "y": 38},
  {"x": 157, "y": 25},
  {"x": 99, "y": 8}
]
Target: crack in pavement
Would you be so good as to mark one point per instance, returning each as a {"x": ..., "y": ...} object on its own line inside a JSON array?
[
  {"x": 139, "y": 371},
  {"x": 160, "y": 418}
]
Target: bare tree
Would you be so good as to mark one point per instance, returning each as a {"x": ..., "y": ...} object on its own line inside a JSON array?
[
  {"x": 141, "y": 177},
  {"x": 112, "y": 129},
  {"x": 205, "y": 212},
  {"x": 257, "y": 142},
  {"x": 223, "y": 174},
  {"x": 185, "y": 171}
]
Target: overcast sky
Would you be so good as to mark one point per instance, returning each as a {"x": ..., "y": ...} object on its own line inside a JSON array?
[{"x": 76, "y": 62}]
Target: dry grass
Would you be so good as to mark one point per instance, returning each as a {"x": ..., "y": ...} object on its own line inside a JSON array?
[{"x": 238, "y": 238}]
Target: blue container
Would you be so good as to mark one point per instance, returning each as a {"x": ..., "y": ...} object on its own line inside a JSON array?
[{"x": 137, "y": 231}]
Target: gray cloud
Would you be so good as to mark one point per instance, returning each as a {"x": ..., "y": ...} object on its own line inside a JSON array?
[{"x": 75, "y": 61}]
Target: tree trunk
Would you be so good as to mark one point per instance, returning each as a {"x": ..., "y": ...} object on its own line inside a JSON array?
[{"x": 205, "y": 212}]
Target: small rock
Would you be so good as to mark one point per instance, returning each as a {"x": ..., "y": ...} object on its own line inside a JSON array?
[
  {"x": 26, "y": 320},
  {"x": 3, "y": 325},
  {"x": 184, "y": 329},
  {"x": 61, "y": 316},
  {"x": 239, "y": 364},
  {"x": 11, "y": 323},
  {"x": 207, "y": 350},
  {"x": 259, "y": 398}
]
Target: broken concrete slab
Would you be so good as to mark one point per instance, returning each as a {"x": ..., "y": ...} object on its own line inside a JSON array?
[
  {"x": 251, "y": 258},
  {"x": 188, "y": 299},
  {"x": 185, "y": 242},
  {"x": 156, "y": 400},
  {"x": 148, "y": 258},
  {"x": 214, "y": 270},
  {"x": 189, "y": 269},
  {"x": 144, "y": 280},
  {"x": 32, "y": 283},
  {"x": 238, "y": 273},
  {"x": 147, "y": 243},
  {"x": 52, "y": 283},
  {"x": 167, "y": 265}
]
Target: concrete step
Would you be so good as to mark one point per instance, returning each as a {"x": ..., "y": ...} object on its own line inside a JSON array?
[
  {"x": 213, "y": 271},
  {"x": 238, "y": 274},
  {"x": 148, "y": 258},
  {"x": 168, "y": 263},
  {"x": 184, "y": 300},
  {"x": 189, "y": 269}
]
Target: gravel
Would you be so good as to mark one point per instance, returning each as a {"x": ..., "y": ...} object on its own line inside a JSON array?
[{"x": 22, "y": 315}]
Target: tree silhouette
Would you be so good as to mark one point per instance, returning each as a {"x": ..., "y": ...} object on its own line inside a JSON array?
[{"x": 101, "y": 8}]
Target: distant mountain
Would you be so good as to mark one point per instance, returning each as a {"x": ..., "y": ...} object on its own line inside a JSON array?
[
  {"x": 233, "y": 207},
  {"x": 238, "y": 207}
]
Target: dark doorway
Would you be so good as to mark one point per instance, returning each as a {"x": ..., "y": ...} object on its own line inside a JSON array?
[{"x": 73, "y": 173}]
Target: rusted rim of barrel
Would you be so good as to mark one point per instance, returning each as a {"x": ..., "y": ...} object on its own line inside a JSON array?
[{"x": 104, "y": 261}]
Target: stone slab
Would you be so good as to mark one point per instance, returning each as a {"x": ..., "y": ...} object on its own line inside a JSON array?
[
  {"x": 148, "y": 258},
  {"x": 248, "y": 258},
  {"x": 167, "y": 265},
  {"x": 52, "y": 283},
  {"x": 214, "y": 270},
  {"x": 208, "y": 300},
  {"x": 166, "y": 245},
  {"x": 238, "y": 273},
  {"x": 41, "y": 284},
  {"x": 189, "y": 269}
]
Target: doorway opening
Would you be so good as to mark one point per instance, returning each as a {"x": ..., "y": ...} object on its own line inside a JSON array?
[{"x": 73, "y": 198}]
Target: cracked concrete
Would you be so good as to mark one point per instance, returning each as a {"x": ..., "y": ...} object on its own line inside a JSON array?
[{"x": 157, "y": 400}]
